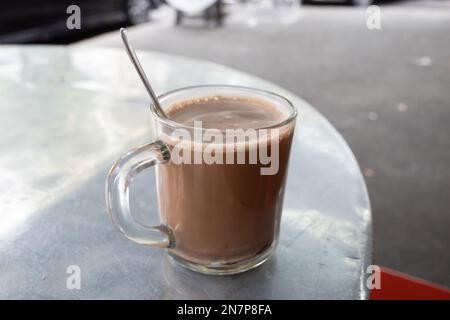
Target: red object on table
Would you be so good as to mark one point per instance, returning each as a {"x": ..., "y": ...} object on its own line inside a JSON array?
[{"x": 398, "y": 286}]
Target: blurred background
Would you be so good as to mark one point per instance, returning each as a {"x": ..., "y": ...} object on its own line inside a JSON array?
[
  {"x": 384, "y": 84},
  {"x": 44, "y": 21}
]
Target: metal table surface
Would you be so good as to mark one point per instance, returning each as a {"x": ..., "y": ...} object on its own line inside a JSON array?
[{"x": 66, "y": 114}]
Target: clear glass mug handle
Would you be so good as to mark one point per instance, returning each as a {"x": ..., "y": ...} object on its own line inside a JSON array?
[{"x": 118, "y": 183}]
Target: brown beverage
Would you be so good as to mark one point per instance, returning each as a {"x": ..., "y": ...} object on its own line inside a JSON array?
[{"x": 224, "y": 213}]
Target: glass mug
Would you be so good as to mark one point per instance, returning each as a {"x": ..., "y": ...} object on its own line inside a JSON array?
[{"x": 217, "y": 218}]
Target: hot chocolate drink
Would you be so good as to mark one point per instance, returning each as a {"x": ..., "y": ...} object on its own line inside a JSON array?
[{"x": 221, "y": 212}]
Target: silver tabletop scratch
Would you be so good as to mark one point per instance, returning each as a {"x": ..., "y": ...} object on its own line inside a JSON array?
[{"x": 67, "y": 114}]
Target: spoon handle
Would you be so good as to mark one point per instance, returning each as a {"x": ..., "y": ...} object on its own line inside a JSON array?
[{"x": 134, "y": 59}]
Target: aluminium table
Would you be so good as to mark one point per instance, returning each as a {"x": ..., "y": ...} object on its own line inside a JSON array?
[{"x": 66, "y": 114}]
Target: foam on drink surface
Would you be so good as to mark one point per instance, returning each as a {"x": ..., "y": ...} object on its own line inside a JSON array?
[{"x": 221, "y": 112}]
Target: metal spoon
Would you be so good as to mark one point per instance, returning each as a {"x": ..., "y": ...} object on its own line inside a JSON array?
[{"x": 134, "y": 59}]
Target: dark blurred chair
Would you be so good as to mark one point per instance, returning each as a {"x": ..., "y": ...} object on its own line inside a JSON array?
[{"x": 213, "y": 13}]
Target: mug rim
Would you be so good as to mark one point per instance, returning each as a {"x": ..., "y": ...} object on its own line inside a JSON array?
[{"x": 174, "y": 124}]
